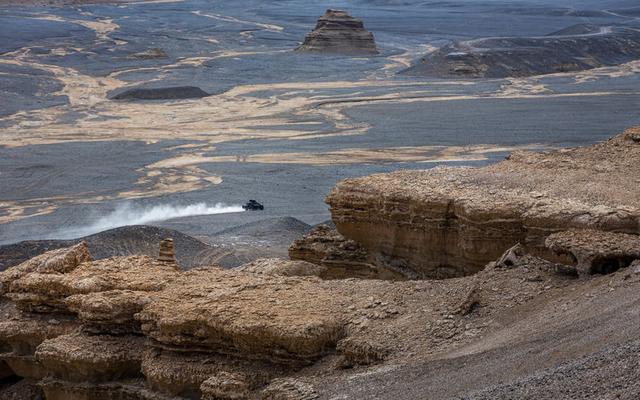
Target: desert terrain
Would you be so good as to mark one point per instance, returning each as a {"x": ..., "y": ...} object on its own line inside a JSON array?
[{"x": 450, "y": 192}]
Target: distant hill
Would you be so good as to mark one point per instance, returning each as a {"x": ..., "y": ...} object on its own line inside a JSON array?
[
  {"x": 268, "y": 227},
  {"x": 127, "y": 240},
  {"x": 577, "y": 48},
  {"x": 233, "y": 246}
]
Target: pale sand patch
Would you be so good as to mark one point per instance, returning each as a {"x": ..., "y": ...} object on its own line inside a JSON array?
[
  {"x": 154, "y": 183},
  {"x": 13, "y": 211},
  {"x": 353, "y": 156},
  {"x": 405, "y": 60},
  {"x": 620, "y": 71},
  {"x": 523, "y": 86},
  {"x": 232, "y": 115},
  {"x": 102, "y": 27}
]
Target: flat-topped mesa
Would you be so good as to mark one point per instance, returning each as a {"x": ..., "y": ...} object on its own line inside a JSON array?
[
  {"x": 338, "y": 32},
  {"x": 449, "y": 222}
]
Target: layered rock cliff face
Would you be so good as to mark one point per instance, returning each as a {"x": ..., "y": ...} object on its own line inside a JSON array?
[
  {"x": 450, "y": 222},
  {"x": 338, "y": 32},
  {"x": 136, "y": 328},
  {"x": 133, "y": 327}
]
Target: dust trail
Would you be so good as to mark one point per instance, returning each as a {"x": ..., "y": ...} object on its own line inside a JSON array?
[{"x": 126, "y": 214}]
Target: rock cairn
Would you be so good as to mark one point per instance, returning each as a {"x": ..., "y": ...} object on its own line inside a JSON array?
[{"x": 167, "y": 251}]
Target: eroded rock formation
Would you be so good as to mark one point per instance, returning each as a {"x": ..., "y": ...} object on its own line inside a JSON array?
[
  {"x": 575, "y": 49},
  {"x": 53, "y": 262},
  {"x": 339, "y": 257},
  {"x": 135, "y": 328},
  {"x": 338, "y": 32},
  {"x": 448, "y": 222}
]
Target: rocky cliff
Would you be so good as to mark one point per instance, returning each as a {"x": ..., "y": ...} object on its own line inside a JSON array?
[
  {"x": 338, "y": 32},
  {"x": 448, "y": 222},
  {"x": 338, "y": 257},
  {"x": 137, "y": 328}
]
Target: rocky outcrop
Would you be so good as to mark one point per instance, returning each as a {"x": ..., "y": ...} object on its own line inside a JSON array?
[
  {"x": 136, "y": 328},
  {"x": 39, "y": 292},
  {"x": 596, "y": 252},
  {"x": 124, "y": 241},
  {"x": 133, "y": 327},
  {"x": 278, "y": 266},
  {"x": 574, "y": 49},
  {"x": 81, "y": 357},
  {"x": 337, "y": 32},
  {"x": 21, "y": 334},
  {"x": 449, "y": 222},
  {"x": 340, "y": 258},
  {"x": 240, "y": 323},
  {"x": 167, "y": 93},
  {"x": 52, "y": 262}
]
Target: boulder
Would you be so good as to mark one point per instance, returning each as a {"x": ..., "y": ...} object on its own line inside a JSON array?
[
  {"x": 289, "y": 389},
  {"x": 360, "y": 352}
]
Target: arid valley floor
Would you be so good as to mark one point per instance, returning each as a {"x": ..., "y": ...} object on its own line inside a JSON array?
[{"x": 500, "y": 263}]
